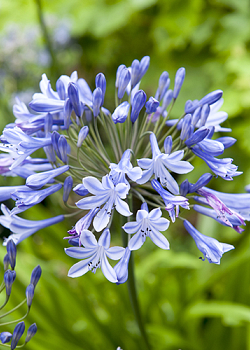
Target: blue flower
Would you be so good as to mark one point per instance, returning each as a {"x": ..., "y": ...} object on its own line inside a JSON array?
[
  {"x": 138, "y": 69},
  {"x": 23, "y": 228},
  {"x": 172, "y": 202},
  {"x": 5, "y": 337},
  {"x": 27, "y": 199},
  {"x": 138, "y": 102},
  {"x": 106, "y": 193},
  {"x": 124, "y": 167},
  {"x": 21, "y": 145},
  {"x": 158, "y": 166},
  {"x": 95, "y": 255},
  {"x": 210, "y": 247},
  {"x": 37, "y": 181},
  {"x": 147, "y": 225},
  {"x": 121, "y": 268}
]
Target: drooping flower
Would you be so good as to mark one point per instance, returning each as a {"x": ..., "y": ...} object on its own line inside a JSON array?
[
  {"x": 210, "y": 247},
  {"x": 95, "y": 255},
  {"x": 147, "y": 225}
]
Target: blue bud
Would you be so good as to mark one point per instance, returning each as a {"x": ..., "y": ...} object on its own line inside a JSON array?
[
  {"x": 179, "y": 78},
  {"x": 11, "y": 250},
  {"x": 6, "y": 262},
  {"x": 54, "y": 139},
  {"x": 184, "y": 188},
  {"x": 211, "y": 98},
  {"x": 121, "y": 113},
  {"x": 68, "y": 108},
  {"x": 121, "y": 268},
  {"x": 168, "y": 144},
  {"x": 35, "y": 275},
  {"x": 196, "y": 116},
  {"x": 144, "y": 64},
  {"x": 190, "y": 131},
  {"x": 137, "y": 104},
  {"x": 123, "y": 81},
  {"x": 83, "y": 133},
  {"x": 97, "y": 101},
  {"x": 227, "y": 141},
  {"x": 163, "y": 81},
  {"x": 151, "y": 105},
  {"x": 197, "y": 136},
  {"x": 67, "y": 187},
  {"x": 203, "y": 181},
  {"x": 185, "y": 126},
  {"x": 30, "y": 294},
  {"x": 135, "y": 73},
  {"x": 9, "y": 277},
  {"x": 31, "y": 332},
  {"x": 63, "y": 148},
  {"x": 118, "y": 73},
  {"x": 17, "y": 333},
  {"x": 205, "y": 110},
  {"x": 73, "y": 94},
  {"x": 60, "y": 88},
  {"x": 100, "y": 82},
  {"x": 48, "y": 123},
  {"x": 5, "y": 337},
  {"x": 167, "y": 99}
]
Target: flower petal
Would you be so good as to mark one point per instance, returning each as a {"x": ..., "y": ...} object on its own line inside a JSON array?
[
  {"x": 122, "y": 207},
  {"x": 131, "y": 227},
  {"x": 136, "y": 241},
  {"x": 88, "y": 239},
  {"x": 79, "y": 268},
  {"x": 108, "y": 270},
  {"x": 101, "y": 220},
  {"x": 79, "y": 252},
  {"x": 158, "y": 239},
  {"x": 104, "y": 239},
  {"x": 115, "y": 253},
  {"x": 93, "y": 185}
]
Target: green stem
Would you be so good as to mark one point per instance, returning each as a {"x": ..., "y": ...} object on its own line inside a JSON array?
[{"x": 15, "y": 308}]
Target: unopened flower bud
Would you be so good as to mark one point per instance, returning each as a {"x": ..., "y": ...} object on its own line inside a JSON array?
[
  {"x": 11, "y": 250},
  {"x": 31, "y": 332},
  {"x": 179, "y": 78},
  {"x": 67, "y": 187},
  {"x": 17, "y": 333},
  {"x": 5, "y": 337},
  {"x": 35, "y": 275},
  {"x": 83, "y": 133},
  {"x": 30, "y": 294}
]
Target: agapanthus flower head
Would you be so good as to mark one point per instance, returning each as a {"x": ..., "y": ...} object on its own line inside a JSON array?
[{"x": 103, "y": 156}]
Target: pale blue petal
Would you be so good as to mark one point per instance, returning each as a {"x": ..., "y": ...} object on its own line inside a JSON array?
[
  {"x": 180, "y": 167},
  {"x": 145, "y": 163},
  {"x": 175, "y": 156},
  {"x": 104, "y": 239},
  {"x": 136, "y": 242},
  {"x": 93, "y": 185},
  {"x": 226, "y": 247},
  {"x": 79, "y": 268},
  {"x": 135, "y": 173},
  {"x": 108, "y": 270},
  {"x": 131, "y": 227},
  {"x": 115, "y": 253},
  {"x": 122, "y": 207},
  {"x": 146, "y": 175},
  {"x": 155, "y": 214},
  {"x": 101, "y": 220},
  {"x": 88, "y": 239},
  {"x": 154, "y": 145},
  {"x": 79, "y": 252},
  {"x": 92, "y": 202},
  {"x": 170, "y": 182},
  {"x": 122, "y": 190},
  {"x": 141, "y": 214},
  {"x": 160, "y": 225},
  {"x": 158, "y": 239}
]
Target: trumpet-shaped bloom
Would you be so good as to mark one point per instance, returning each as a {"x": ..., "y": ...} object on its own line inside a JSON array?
[
  {"x": 147, "y": 225},
  {"x": 106, "y": 193},
  {"x": 95, "y": 255},
  {"x": 159, "y": 164},
  {"x": 210, "y": 247},
  {"x": 23, "y": 228}
]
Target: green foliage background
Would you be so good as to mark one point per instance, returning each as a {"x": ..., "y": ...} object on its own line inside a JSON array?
[{"x": 186, "y": 303}]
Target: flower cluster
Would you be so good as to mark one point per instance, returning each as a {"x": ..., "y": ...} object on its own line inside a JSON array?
[
  {"x": 9, "y": 263},
  {"x": 125, "y": 161}
]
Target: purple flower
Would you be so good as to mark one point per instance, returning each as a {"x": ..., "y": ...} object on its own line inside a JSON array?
[{"x": 94, "y": 255}]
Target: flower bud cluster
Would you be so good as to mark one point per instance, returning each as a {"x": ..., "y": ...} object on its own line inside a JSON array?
[{"x": 8, "y": 279}]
